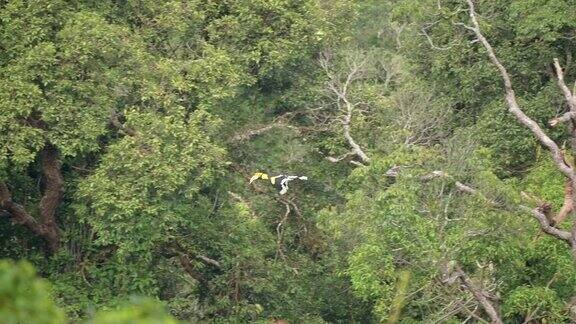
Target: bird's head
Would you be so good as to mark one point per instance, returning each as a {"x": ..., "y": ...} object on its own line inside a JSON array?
[{"x": 258, "y": 175}]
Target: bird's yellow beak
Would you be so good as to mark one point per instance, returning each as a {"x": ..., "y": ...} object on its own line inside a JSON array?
[{"x": 258, "y": 175}]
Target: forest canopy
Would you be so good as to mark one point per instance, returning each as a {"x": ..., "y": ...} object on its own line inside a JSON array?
[{"x": 432, "y": 145}]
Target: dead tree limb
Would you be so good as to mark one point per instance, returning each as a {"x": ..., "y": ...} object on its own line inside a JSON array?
[
  {"x": 570, "y": 100},
  {"x": 340, "y": 158},
  {"x": 249, "y": 134},
  {"x": 480, "y": 296},
  {"x": 340, "y": 86},
  {"x": 568, "y": 116},
  {"x": 567, "y": 206},
  {"x": 546, "y": 223},
  {"x": 555, "y": 151},
  {"x": 512, "y": 103},
  {"x": 281, "y": 121},
  {"x": 208, "y": 261},
  {"x": 280, "y": 232},
  {"x": 190, "y": 270},
  {"x": 459, "y": 185},
  {"x": 179, "y": 248}
]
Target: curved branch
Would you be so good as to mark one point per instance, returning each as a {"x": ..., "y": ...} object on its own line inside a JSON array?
[
  {"x": 513, "y": 106},
  {"x": 21, "y": 216},
  {"x": 479, "y": 295},
  {"x": 565, "y": 90},
  {"x": 545, "y": 224},
  {"x": 562, "y": 119},
  {"x": 340, "y": 89}
]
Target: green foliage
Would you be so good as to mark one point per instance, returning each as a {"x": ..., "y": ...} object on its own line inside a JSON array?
[
  {"x": 543, "y": 20},
  {"x": 545, "y": 182},
  {"x": 537, "y": 302},
  {"x": 520, "y": 149},
  {"x": 24, "y": 297},
  {"x": 160, "y": 111},
  {"x": 138, "y": 189},
  {"x": 138, "y": 311},
  {"x": 366, "y": 275}
]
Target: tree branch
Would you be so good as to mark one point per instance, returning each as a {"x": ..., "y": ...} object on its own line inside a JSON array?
[
  {"x": 545, "y": 224},
  {"x": 247, "y": 135},
  {"x": 340, "y": 158},
  {"x": 340, "y": 89},
  {"x": 459, "y": 185},
  {"x": 562, "y": 119},
  {"x": 189, "y": 268},
  {"x": 424, "y": 32},
  {"x": 346, "y": 123},
  {"x": 565, "y": 90},
  {"x": 479, "y": 295},
  {"x": 280, "y": 232},
  {"x": 513, "y": 106},
  {"x": 177, "y": 248},
  {"x": 21, "y": 216},
  {"x": 567, "y": 206},
  {"x": 208, "y": 261}
]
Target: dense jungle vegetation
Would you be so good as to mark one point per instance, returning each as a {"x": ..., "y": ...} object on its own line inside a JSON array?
[{"x": 438, "y": 138}]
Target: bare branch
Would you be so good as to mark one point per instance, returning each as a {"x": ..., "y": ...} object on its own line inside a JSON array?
[
  {"x": 189, "y": 268},
  {"x": 459, "y": 185},
  {"x": 280, "y": 232},
  {"x": 247, "y": 135},
  {"x": 346, "y": 123},
  {"x": 279, "y": 122},
  {"x": 480, "y": 296},
  {"x": 467, "y": 189},
  {"x": 567, "y": 94},
  {"x": 513, "y": 106},
  {"x": 567, "y": 206},
  {"x": 545, "y": 224},
  {"x": 184, "y": 257},
  {"x": 424, "y": 31},
  {"x": 356, "y": 163},
  {"x": 340, "y": 88},
  {"x": 340, "y": 158},
  {"x": 208, "y": 260},
  {"x": 562, "y": 119},
  {"x": 441, "y": 174}
]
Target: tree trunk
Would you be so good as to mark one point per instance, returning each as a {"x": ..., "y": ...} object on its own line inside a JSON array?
[
  {"x": 46, "y": 225},
  {"x": 52, "y": 196}
]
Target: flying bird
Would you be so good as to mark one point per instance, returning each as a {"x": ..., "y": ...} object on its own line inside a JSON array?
[{"x": 279, "y": 181}]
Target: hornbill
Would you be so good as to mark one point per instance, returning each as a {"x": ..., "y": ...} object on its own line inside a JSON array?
[{"x": 279, "y": 181}]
